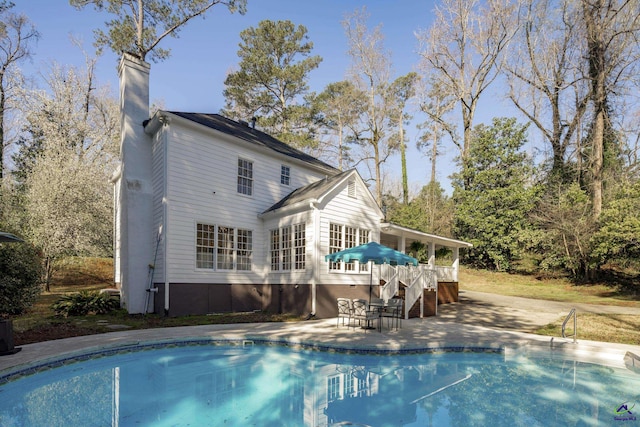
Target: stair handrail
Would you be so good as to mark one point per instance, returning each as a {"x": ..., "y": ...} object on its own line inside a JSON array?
[
  {"x": 413, "y": 293},
  {"x": 392, "y": 282},
  {"x": 573, "y": 314}
]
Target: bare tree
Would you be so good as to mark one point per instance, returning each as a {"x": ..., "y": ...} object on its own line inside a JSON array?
[
  {"x": 436, "y": 104},
  {"x": 546, "y": 74},
  {"x": 612, "y": 28},
  {"x": 16, "y": 36},
  {"x": 370, "y": 72},
  {"x": 461, "y": 50},
  {"x": 142, "y": 24}
]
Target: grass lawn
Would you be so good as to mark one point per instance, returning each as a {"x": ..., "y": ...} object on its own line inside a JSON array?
[
  {"x": 40, "y": 324},
  {"x": 618, "y": 328},
  {"x": 76, "y": 274}
]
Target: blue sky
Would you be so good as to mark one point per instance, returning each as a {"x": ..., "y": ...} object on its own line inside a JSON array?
[{"x": 192, "y": 78}]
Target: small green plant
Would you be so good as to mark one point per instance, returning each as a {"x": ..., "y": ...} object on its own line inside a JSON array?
[{"x": 85, "y": 302}]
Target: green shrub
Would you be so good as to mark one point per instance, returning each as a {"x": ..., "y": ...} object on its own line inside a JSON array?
[
  {"x": 85, "y": 302},
  {"x": 20, "y": 277}
]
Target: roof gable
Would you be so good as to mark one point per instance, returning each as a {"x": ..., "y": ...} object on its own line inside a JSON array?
[
  {"x": 251, "y": 135},
  {"x": 317, "y": 191}
]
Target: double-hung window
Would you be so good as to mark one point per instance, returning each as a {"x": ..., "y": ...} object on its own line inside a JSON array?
[
  {"x": 285, "y": 175},
  {"x": 205, "y": 245},
  {"x": 349, "y": 242},
  {"x": 245, "y": 177},
  {"x": 244, "y": 250},
  {"x": 288, "y": 249},
  {"x": 223, "y": 248},
  {"x": 364, "y": 238},
  {"x": 275, "y": 249},
  {"x": 299, "y": 246},
  {"x": 335, "y": 243},
  {"x": 344, "y": 237}
]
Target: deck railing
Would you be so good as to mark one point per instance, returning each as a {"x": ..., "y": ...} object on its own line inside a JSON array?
[{"x": 416, "y": 280}]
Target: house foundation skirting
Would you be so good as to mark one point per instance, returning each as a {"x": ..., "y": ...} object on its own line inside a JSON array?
[{"x": 197, "y": 298}]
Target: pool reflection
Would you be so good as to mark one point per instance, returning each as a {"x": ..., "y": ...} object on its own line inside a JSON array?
[{"x": 272, "y": 386}]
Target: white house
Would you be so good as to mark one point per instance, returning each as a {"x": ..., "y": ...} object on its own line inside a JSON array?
[{"x": 212, "y": 215}]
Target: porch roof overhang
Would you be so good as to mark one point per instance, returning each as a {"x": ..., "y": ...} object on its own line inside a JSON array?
[{"x": 390, "y": 229}]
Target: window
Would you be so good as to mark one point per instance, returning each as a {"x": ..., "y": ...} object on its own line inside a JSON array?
[
  {"x": 275, "y": 249},
  {"x": 349, "y": 242},
  {"x": 288, "y": 248},
  {"x": 299, "y": 246},
  {"x": 205, "y": 245},
  {"x": 245, "y": 246},
  {"x": 245, "y": 177},
  {"x": 223, "y": 248},
  {"x": 349, "y": 386},
  {"x": 344, "y": 237},
  {"x": 364, "y": 238},
  {"x": 333, "y": 388},
  {"x": 335, "y": 243},
  {"x": 285, "y": 175}
]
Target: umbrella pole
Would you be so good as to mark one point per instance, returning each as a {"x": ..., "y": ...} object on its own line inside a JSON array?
[{"x": 370, "y": 280}]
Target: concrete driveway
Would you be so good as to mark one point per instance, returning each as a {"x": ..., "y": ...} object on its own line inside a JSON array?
[{"x": 516, "y": 313}]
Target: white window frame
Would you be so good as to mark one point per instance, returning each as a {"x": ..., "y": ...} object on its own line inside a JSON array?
[
  {"x": 335, "y": 244},
  {"x": 274, "y": 253},
  {"x": 288, "y": 248},
  {"x": 299, "y": 246},
  {"x": 205, "y": 245},
  {"x": 231, "y": 248},
  {"x": 285, "y": 175},
  {"x": 245, "y": 177},
  {"x": 343, "y": 237}
]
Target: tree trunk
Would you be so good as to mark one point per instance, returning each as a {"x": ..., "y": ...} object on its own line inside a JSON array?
[
  {"x": 597, "y": 73},
  {"x": 403, "y": 160}
]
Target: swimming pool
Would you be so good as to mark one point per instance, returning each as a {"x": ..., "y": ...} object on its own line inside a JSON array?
[{"x": 239, "y": 384}]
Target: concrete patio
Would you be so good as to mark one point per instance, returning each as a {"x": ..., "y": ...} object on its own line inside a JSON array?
[{"x": 478, "y": 320}]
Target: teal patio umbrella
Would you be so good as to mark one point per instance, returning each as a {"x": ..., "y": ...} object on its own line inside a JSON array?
[{"x": 374, "y": 252}]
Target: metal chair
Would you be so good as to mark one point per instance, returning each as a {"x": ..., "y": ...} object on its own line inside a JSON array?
[
  {"x": 362, "y": 313},
  {"x": 393, "y": 311},
  {"x": 345, "y": 310}
]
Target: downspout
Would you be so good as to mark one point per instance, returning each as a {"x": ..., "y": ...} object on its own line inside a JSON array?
[
  {"x": 317, "y": 256},
  {"x": 165, "y": 213}
]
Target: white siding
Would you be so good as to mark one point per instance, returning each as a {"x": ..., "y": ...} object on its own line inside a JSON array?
[
  {"x": 357, "y": 212},
  {"x": 202, "y": 176},
  {"x": 158, "y": 184},
  {"x": 290, "y": 277}
]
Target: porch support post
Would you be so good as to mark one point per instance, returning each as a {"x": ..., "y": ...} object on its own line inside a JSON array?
[
  {"x": 432, "y": 254},
  {"x": 456, "y": 263},
  {"x": 402, "y": 244}
]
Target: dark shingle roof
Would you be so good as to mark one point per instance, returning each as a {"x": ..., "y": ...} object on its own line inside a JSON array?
[
  {"x": 254, "y": 136},
  {"x": 309, "y": 192}
]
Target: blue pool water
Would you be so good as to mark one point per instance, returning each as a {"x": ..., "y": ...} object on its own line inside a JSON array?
[{"x": 231, "y": 385}]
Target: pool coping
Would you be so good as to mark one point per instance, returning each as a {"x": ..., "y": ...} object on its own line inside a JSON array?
[{"x": 415, "y": 336}]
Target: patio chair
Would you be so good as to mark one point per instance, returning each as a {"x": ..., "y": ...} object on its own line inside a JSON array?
[
  {"x": 393, "y": 312},
  {"x": 362, "y": 313},
  {"x": 345, "y": 310},
  {"x": 376, "y": 301}
]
